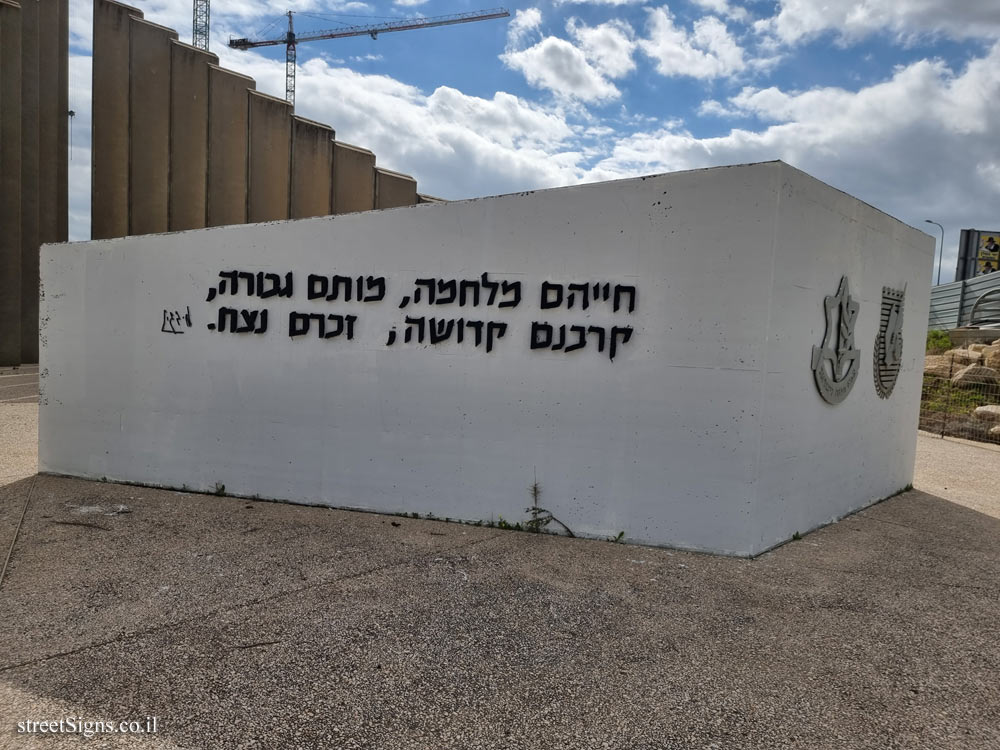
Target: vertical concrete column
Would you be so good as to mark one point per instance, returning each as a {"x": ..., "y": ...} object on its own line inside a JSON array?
[
  {"x": 270, "y": 153},
  {"x": 228, "y": 142},
  {"x": 29, "y": 181},
  {"x": 10, "y": 183},
  {"x": 109, "y": 170},
  {"x": 353, "y": 178},
  {"x": 188, "y": 135},
  {"x": 149, "y": 126},
  {"x": 50, "y": 59},
  {"x": 312, "y": 165},
  {"x": 62, "y": 126},
  {"x": 393, "y": 189}
]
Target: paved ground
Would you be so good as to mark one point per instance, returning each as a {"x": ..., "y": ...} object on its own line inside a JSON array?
[{"x": 249, "y": 624}]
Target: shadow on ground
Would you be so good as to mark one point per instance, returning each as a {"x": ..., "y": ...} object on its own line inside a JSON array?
[{"x": 237, "y": 622}]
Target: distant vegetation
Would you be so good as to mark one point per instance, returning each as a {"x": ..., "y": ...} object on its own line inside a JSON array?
[{"x": 938, "y": 342}]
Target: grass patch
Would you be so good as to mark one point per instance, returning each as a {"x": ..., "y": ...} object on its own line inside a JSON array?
[{"x": 938, "y": 342}]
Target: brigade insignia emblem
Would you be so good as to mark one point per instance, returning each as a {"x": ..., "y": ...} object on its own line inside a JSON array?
[
  {"x": 835, "y": 364},
  {"x": 889, "y": 342}
]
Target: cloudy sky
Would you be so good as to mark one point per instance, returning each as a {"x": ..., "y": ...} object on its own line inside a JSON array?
[{"x": 894, "y": 101}]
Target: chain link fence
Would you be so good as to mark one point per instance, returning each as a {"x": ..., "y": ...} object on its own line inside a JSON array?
[{"x": 961, "y": 397}]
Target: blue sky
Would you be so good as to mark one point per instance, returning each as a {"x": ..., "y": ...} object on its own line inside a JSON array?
[{"x": 894, "y": 101}]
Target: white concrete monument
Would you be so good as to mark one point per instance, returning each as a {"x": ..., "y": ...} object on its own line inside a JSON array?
[{"x": 712, "y": 360}]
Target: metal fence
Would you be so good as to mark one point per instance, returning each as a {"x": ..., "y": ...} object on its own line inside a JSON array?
[
  {"x": 953, "y": 406},
  {"x": 951, "y": 304}
]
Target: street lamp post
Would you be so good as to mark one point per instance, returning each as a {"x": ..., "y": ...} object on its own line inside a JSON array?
[{"x": 941, "y": 257}]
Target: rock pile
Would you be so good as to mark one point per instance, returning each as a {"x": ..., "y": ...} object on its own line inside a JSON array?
[
  {"x": 991, "y": 415},
  {"x": 979, "y": 364}
]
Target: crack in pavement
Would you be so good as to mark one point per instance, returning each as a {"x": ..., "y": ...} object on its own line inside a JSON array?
[{"x": 201, "y": 616}]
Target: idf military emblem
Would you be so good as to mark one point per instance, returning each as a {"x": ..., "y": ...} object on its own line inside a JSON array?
[
  {"x": 835, "y": 364},
  {"x": 889, "y": 342}
]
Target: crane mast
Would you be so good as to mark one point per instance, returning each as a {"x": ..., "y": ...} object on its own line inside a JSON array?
[
  {"x": 291, "y": 39},
  {"x": 199, "y": 26}
]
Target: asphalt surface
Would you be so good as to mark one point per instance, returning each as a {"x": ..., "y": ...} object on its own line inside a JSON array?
[{"x": 242, "y": 624}]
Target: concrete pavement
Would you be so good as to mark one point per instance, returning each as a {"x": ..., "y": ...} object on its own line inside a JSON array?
[{"x": 245, "y": 624}]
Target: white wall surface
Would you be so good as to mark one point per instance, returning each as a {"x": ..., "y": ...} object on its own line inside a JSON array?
[{"x": 706, "y": 431}]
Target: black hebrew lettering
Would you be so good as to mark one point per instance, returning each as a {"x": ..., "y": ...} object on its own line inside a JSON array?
[
  {"x": 343, "y": 323},
  {"x": 562, "y": 339},
  {"x": 332, "y": 288},
  {"x": 506, "y": 287},
  {"x": 232, "y": 320},
  {"x": 231, "y": 277},
  {"x": 619, "y": 291},
  {"x": 600, "y": 333},
  {"x": 258, "y": 284},
  {"x": 477, "y": 326},
  {"x": 299, "y": 324},
  {"x": 275, "y": 289},
  {"x": 318, "y": 286},
  {"x": 377, "y": 284},
  {"x": 492, "y": 286},
  {"x": 419, "y": 323},
  {"x": 443, "y": 330},
  {"x": 463, "y": 288},
  {"x": 467, "y": 292},
  {"x": 446, "y": 291},
  {"x": 548, "y": 302},
  {"x": 553, "y": 295},
  {"x": 581, "y": 340},
  {"x": 429, "y": 283},
  {"x": 583, "y": 290},
  {"x": 250, "y": 321},
  {"x": 338, "y": 282},
  {"x": 494, "y": 330},
  {"x": 626, "y": 336},
  {"x": 440, "y": 330},
  {"x": 227, "y": 316},
  {"x": 542, "y": 337}
]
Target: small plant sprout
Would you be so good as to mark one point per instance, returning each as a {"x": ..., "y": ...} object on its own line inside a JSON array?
[{"x": 540, "y": 517}]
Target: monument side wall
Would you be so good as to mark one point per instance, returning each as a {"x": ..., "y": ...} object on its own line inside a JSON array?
[
  {"x": 621, "y": 344},
  {"x": 819, "y": 461}
]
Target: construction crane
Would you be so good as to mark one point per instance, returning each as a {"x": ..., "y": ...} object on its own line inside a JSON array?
[
  {"x": 199, "y": 26},
  {"x": 291, "y": 39}
]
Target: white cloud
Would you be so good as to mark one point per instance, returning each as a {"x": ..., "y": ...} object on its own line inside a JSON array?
[
  {"x": 799, "y": 20},
  {"x": 607, "y": 47},
  {"x": 922, "y": 143},
  {"x": 456, "y": 145},
  {"x": 408, "y": 3},
  {"x": 600, "y": 2},
  {"x": 524, "y": 26},
  {"x": 713, "y": 108},
  {"x": 724, "y": 8},
  {"x": 559, "y": 66},
  {"x": 708, "y": 51}
]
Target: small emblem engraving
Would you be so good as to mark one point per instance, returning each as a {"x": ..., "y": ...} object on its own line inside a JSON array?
[
  {"x": 835, "y": 382},
  {"x": 889, "y": 342}
]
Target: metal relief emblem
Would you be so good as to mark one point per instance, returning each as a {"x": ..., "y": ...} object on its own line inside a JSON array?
[
  {"x": 889, "y": 342},
  {"x": 835, "y": 364}
]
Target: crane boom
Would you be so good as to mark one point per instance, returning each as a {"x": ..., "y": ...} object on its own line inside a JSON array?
[{"x": 291, "y": 39}]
